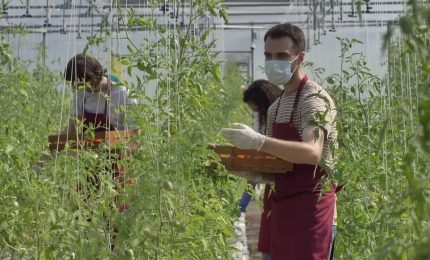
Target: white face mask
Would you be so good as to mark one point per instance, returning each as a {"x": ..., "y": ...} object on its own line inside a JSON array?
[{"x": 279, "y": 71}]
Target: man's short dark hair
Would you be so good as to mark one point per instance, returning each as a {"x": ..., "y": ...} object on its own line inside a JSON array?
[{"x": 288, "y": 30}]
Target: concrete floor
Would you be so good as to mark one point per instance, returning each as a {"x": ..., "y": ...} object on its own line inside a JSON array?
[{"x": 253, "y": 216}]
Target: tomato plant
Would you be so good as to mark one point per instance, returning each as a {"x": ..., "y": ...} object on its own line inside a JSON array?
[{"x": 182, "y": 203}]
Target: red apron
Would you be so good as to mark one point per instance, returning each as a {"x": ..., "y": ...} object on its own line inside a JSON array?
[
  {"x": 301, "y": 217},
  {"x": 264, "y": 236},
  {"x": 100, "y": 122}
]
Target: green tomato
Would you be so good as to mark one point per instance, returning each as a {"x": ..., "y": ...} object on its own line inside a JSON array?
[
  {"x": 129, "y": 254},
  {"x": 168, "y": 186}
]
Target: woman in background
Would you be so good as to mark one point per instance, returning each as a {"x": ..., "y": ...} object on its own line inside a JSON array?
[
  {"x": 99, "y": 104},
  {"x": 96, "y": 101}
]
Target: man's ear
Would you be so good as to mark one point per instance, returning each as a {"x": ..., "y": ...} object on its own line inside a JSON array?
[{"x": 301, "y": 57}]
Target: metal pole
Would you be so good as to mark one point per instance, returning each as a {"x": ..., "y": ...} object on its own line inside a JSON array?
[
  {"x": 322, "y": 5},
  {"x": 182, "y": 24},
  {"x": 63, "y": 29},
  {"x": 48, "y": 15},
  {"x": 252, "y": 52},
  {"x": 333, "y": 29},
  {"x": 368, "y": 7},
  {"x": 92, "y": 19},
  {"x": 165, "y": 7},
  {"x": 318, "y": 21},
  {"x": 308, "y": 33},
  {"x": 27, "y": 9},
  {"x": 79, "y": 23},
  {"x": 352, "y": 9},
  {"x": 314, "y": 12},
  {"x": 177, "y": 11},
  {"x": 44, "y": 48}
]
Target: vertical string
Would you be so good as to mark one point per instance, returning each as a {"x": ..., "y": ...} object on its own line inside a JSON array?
[
  {"x": 409, "y": 90},
  {"x": 416, "y": 68},
  {"x": 402, "y": 90},
  {"x": 177, "y": 38},
  {"x": 168, "y": 52}
]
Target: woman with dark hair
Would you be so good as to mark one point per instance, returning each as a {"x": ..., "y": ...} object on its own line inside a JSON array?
[
  {"x": 96, "y": 101},
  {"x": 99, "y": 104},
  {"x": 259, "y": 96}
]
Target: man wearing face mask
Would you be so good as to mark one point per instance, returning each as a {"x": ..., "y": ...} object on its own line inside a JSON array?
[{"x": 301, "y": 130}]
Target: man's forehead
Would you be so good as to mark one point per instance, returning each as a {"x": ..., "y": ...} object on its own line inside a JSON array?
[{"x": 284, "y": 44}]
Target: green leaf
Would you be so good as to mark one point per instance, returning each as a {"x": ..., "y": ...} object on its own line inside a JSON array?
[
  {"x": 9, "y": 148},
  {"x": 204, "y": 36},
  {"x": 86, "y": 49},
  {"x": 134, "y": 242},
  {"x": 141, "y": 65},
  {"x": 131, "y": 49},
  {"x": 224, "y": 15},
  {"x": 205, "y": 244},
  {"x": 125, "y": 61},
  {"x": 216, "y": 72},
  {"x": 211, "y": 9},
  {"x": 330, "y": 80},
  {"x": 23, "y": 92}
]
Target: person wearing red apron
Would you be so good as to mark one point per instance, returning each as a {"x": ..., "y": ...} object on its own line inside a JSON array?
[
  {"x": 88, "y": 77},
  {"x": 100, "y": 122},
  {"x": 301, "y": 215},
  {"x": 265, "y": 227}
]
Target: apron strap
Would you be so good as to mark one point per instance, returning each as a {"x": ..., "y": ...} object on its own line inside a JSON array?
[
  {"x": 296, "y": 100},
  {"x": 277, "y": 107}
]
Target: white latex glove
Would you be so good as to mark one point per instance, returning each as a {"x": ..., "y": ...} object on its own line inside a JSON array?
[{"x": 243, "y": 137}]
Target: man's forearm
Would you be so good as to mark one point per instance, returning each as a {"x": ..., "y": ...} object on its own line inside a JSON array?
[{"x": 291, "y": 151}]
